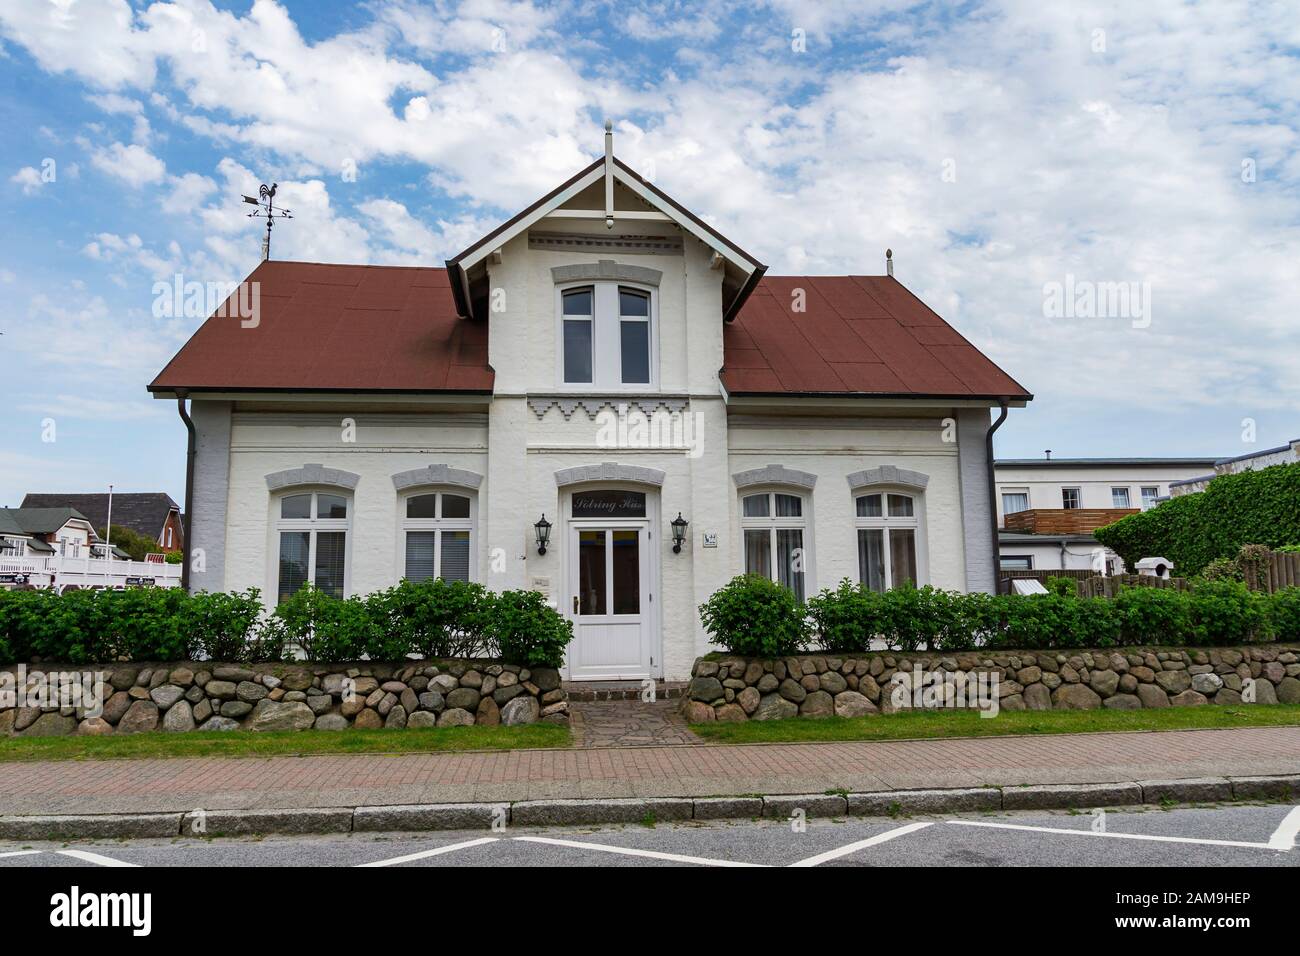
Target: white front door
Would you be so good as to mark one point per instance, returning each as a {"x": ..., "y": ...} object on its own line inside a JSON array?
[{"x": 609, "y": 601}]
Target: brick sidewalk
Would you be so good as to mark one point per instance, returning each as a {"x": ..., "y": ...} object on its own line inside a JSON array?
[{"x": 115, "y": 786}]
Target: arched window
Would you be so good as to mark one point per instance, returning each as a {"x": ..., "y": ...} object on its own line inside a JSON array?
[
  {"x": 606, "y": 335},
  {"x": 438, "y": 535},
  {"x": 888, "y": 525},
  {"x": 775, "y": 527},
  {"x": 312, "y": 527}
]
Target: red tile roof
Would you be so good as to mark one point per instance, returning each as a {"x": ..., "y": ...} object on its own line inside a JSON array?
[
  {"x": 339, "y": 327},
  {"x": 856, "y": 335}
]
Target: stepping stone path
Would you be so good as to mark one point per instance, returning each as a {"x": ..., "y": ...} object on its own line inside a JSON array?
[{"x": 627, "y": 723}]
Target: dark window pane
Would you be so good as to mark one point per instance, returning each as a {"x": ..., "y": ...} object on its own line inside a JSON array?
[
  {"x": 455, "y": 506},
  {"x": 293, "y": 562},
  {"x": 329, "y": 562},
  {"x": 871, "y": 559},
  {"x": 627, "y": 572},
  {"x": 633, "y": 303},
  {"x": 902, "y": 557},
  {"x": 331, "y": 506},
  {"x": 591, "y": 572},
  {"x": 422, "y": 506},
  {"x": 577, "y": 302},
  {"x": 790, "y": 560},
  {"x": 756, "y": 506},
  {"x": 789, "y": 506},
  {"x": 758, "y": 553},
  {"x": 577, "y": 350},
  {"x": 869, "y": 506},
  {"x": 636, "y": 352},
  {"x": 419, "y": 555},
  {"x": 455, "y": 556},
  {"x": 900, "y": 506},
  {"x": 295, "y": 506}
]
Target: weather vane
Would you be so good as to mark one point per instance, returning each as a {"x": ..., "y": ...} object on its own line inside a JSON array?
[{"x": 266, "y": 207}]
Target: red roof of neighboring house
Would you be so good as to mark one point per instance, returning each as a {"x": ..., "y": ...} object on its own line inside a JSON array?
[
  {"x": 856, "y": 335},
  {"x": 338, "y": 327}
]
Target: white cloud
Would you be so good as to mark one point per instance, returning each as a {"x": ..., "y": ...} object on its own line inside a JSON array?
[
  {"x": 29, "y": 178},
  {"x": 132, "y": 164}
]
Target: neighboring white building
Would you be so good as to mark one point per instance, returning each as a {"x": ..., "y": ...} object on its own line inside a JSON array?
[
  {"x": 1282, "y": 455},
  {"x": 1049, "y": 507},
  {"x": 58, "y": 548},
  {"x": 606, "y": 360}
]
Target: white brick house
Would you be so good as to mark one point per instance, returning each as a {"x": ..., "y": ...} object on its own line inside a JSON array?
[{"x": 608, "y": 361}]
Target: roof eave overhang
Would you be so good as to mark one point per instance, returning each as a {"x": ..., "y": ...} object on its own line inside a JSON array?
[
  {"x": 238, "y": 393},
  {"x": 892, "y": 398}
]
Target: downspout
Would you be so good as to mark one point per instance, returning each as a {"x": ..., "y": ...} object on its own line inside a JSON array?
[
  {"x": 993, "y": 491},
  {"x": 188, "y": 529}
]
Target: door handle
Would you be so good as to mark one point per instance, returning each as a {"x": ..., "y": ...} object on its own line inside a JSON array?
[{"x": 575, "y": 604}]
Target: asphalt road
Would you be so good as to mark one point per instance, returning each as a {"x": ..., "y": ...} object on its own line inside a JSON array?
[{"x": 1263, "y": 835}]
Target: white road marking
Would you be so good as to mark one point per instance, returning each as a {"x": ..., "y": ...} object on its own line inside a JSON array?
[
  {"x": 1283, "y": 837},
  {"x": 87, "y": 857},
  {"x": 1113, "y": 836},
  {"x": 627, "y": 851},
  {"x": 18, "y": 853},
  {"x": 821, "y": 858},
  {"x": 437, "y": 851}
]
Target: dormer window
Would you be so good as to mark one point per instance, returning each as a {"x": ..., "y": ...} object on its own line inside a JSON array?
[{"x": 606, "y": 336}]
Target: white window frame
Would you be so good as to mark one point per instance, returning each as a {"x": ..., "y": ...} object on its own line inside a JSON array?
[
  {"x": 1148, "y": 502},
  {"x": 914, "y": 522},
  {"x": 313, "y": 525},
  {"x": 1078, "y": 498},
  {"x": 606, "y": 336},
  {"x": 439, "y": 524},
  {"x": 1128, "y": 496},
  {"x": 772, "y": 524},
  {"x": 1003, "y": 558}
]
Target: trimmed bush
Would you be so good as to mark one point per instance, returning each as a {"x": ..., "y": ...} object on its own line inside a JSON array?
[
  {"x": 323, "y": 627},
  {"x": 528, "y": 631},
  {"x": 433, "y": 618},
  {"x": 1253, "y": 507},
  {"x": 756, "y": 617},
  {"x": 1227, "y": 612},
  {"x": 847, "y": 618},
  {"x": 222, "y": 626},
  {"x": 1284, "y": 614}
]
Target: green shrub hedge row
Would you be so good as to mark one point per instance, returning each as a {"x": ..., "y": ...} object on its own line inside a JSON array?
[
  {"x": 1254, "y": 507},
  {"x": 755, "y": 617},
  {"x": 429, "y": 619}
]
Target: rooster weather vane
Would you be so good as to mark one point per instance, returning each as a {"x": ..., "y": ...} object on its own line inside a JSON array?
[{"x": 266, "y": 207}]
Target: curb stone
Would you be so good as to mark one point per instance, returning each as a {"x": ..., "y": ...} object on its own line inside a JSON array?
[
  {"x": 248, "y": 822},
  {"x": 96, "y": 826},
  {"x": 812, "y": 804},
  {"x": 1070, "y": 796},
  {"x": 529, "y": 813},
  {"x": 1206, "y": 790},
  {"x": 436, "y": 816},
  {"x": 924, "y": 801}
]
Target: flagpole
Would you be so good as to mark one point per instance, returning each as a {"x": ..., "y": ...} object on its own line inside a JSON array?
[{"x": 108, "y": 528}]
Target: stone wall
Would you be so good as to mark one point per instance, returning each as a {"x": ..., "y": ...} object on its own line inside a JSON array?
[
  {"x": 822, "y": 685},
  {"x": 203, "y": 695}
]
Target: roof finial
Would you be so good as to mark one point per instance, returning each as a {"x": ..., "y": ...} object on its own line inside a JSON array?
[{"x": 889, "y": 262}]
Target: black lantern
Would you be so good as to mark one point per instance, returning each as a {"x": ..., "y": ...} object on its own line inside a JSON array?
[
  {"x": 679, "y": 533},
  {"x": 543, "y": 529}
]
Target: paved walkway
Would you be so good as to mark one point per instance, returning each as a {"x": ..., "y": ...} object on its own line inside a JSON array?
[
  {"x": 629, "y": 724},
  {"x": 115, "y": 786}
]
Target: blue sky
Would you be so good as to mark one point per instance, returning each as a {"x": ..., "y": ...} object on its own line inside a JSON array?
[{"x": 1002, "y": 149}]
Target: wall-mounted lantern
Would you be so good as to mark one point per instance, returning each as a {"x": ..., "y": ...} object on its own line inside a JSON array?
[
  {"x": 543, "y": 529},
  {"x": 679, "y": 533}
]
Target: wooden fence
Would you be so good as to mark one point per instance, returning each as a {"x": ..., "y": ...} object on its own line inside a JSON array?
[
  {"x": 1281, "y": 569},
  {"x": 1098, "y": 586},
  {"x": 1006, "y": 575}
]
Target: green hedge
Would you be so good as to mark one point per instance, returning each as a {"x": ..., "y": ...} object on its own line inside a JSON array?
[
  {"x": 1254, "y": 507},
  {"x": 428, "y": 619},
  {"x": 754, "y": 617}
]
